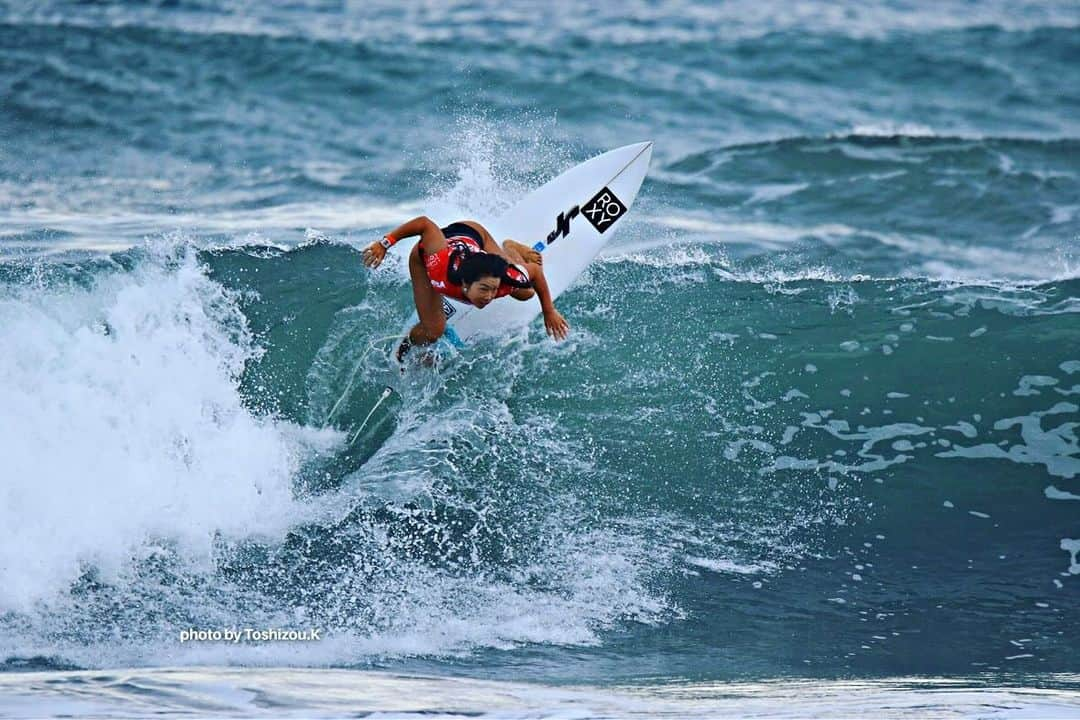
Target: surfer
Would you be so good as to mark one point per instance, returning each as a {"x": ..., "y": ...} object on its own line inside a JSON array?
[{"x": 463, "y": 261}]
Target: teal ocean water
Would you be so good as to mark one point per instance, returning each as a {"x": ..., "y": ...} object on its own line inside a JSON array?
[{"x": 814, "y": 431}]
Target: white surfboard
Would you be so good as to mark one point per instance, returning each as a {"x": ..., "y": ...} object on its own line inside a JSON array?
[{"x": 568, "y": 219}]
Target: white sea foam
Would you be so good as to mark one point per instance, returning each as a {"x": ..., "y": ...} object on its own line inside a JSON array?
[
  {"x": 889, "y": 129},
  {"x": 346, "y": 693},
  {"x": 725, "y": 565},
  {"x": 1072, "y": 546},
  {"x": 123, "y": 422},
  {"x": 1054, "y": 447},
  {"x": 1052, "y": 493}
]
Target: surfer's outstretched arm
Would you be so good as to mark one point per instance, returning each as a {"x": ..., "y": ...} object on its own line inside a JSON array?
[
  {"x": 431, "y": 239},
  {"x": 554, "y": 322}
]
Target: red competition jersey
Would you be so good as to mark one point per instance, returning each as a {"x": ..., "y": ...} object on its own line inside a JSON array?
[{"x": 438, "y": 266}]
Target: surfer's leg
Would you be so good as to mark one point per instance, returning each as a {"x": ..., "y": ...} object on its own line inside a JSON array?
[
  {"x": 521, "y": 254},
  {"x": 513, "y": 251},
  {"x": 428, "y": 304},
  {"x": 489, "y": 244},
  {"x": 488, "y": 240}
]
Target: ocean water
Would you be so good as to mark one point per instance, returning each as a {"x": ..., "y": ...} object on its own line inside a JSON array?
[{"x": 814, "y": 433}]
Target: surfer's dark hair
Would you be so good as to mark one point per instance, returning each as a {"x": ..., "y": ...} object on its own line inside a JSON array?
[{"x": 483, "y": 264}]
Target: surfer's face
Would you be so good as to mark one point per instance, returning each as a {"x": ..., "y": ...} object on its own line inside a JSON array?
[{"x": 482, "y": 291}]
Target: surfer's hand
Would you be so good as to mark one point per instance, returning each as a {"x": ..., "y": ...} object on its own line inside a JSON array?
[
  {"x": 556, "y": 324},
  {"x": 374, "y": 254}
]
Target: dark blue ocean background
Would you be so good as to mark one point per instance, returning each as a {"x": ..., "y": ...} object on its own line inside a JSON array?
[{"x": 818, "y": 416}]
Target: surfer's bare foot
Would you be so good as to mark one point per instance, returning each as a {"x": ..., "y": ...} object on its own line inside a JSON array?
[
  {"x": 403, "y": 350},
  {"x": 526, "y": 253}
]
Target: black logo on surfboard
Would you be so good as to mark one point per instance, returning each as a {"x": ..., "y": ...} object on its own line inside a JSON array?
[
  {"x": 562, "y": 224},
  {"x": 448, "y": 309},
  {"x": 603, "y": 210}
]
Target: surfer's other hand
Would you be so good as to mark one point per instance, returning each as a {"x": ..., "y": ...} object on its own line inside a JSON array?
[
  {"x": 556, "y": 324},
  {"x": 374, "y": 254}
]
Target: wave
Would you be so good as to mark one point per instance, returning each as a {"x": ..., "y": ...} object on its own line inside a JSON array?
[
  {"x": 529, "y": 494},
  {"x": 886, "y": 206},
  {"x": 205, "y": 476},
  {"x": 336, "y": 692}
]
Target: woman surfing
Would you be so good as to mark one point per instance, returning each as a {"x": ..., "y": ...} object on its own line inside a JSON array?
[{"x": 462, "y": 261}]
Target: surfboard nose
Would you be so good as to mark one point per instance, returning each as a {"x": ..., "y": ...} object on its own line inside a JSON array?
[{"x": 643, "y": 148}]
